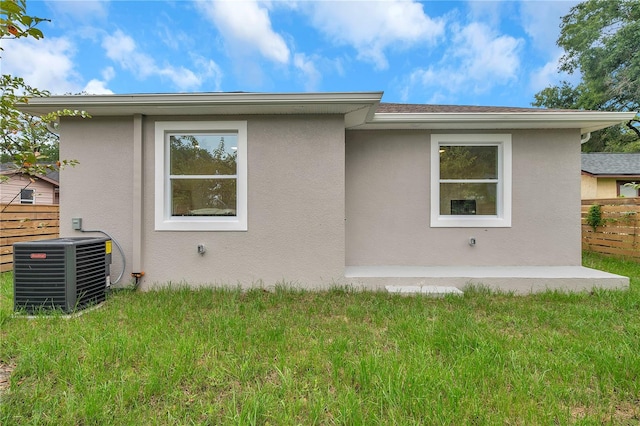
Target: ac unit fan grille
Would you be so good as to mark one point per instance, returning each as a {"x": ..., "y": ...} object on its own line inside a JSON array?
[
  {"x": 62, "y": 274},
  {"x": 90, "y": 275},
  {"x": 39, "y": 284}
]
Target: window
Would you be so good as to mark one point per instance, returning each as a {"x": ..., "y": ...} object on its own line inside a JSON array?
[
  {"x": 627, "y": 189},
  {"x": 27, "y": 196},
  {"x": 471, "y": 180},
  {"x": 201, "y": 178}
]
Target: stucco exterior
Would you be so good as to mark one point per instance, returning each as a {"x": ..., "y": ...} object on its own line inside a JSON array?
[
  {"x": 336, "y": 193},
  {"x": 388, "y": 204},
  {"x": 296, "y": 203}
]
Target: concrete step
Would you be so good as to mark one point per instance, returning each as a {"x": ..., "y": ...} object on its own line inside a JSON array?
[{"x": 427, "y": 290}]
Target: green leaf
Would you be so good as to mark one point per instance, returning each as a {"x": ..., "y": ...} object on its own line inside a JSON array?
[
  {"x": 26, "y": 20},
  {"x": 8, "y": 7},
  {"x": 35, "y": 33}
]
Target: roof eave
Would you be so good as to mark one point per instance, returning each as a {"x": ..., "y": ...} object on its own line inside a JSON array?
[
  {"x": 586, "y": 121},
  {"x": 211, "y": 103},
  {"x": 626, "y": 176}
]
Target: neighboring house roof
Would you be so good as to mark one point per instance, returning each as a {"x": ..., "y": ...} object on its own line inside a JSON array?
[
  {"x": 52, "y": 176},
  {"x": 362, "y": 110},
  {"x": 611, "y": 164}
]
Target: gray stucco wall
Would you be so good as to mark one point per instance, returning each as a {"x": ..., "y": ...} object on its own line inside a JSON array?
[
  {"x": 98, "y": 190},
  {"x": 295, "y": 203},
  {"x": 297, "y": 187},
  {"x": 388, "y": 204}
]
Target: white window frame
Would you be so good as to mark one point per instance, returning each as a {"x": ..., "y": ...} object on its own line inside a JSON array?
[
  {"x": 31, "y": 200},
  {"x": 164, "y": 221},
  {"x": 503, "y": 217}
]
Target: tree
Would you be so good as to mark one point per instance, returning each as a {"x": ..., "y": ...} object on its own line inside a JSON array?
[
  {"x": 601, "y": 39},
  {"x": 25, "y": 139}
]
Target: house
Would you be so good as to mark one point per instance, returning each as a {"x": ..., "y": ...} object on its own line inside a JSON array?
[
  {"x": 22, "y": 189},
  {"x": 605, "y": 174},
  {"x": 323, "y": 189}
]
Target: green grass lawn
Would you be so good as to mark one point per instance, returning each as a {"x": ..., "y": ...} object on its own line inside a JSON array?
[{"x": 338, "y": 357}]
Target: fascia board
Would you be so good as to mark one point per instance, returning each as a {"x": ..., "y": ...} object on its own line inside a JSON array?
[
  {"x": 156, "y": 103},
  {"x": 587, "y": 121},
  {"x": 629, "y": 176}
]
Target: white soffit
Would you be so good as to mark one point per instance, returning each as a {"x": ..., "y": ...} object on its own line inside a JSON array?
[
  {"x": 356, "y": 106},
  {"x": 586, "y": 121}
]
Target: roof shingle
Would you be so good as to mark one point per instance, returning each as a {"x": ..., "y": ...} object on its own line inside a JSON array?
[
  {"x": 609, "y": 163},
  {"x": 394, "y": 108}
]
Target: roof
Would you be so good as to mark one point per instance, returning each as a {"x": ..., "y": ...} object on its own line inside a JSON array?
[
  {"x": 389, "y": 108},
  {"x": 357, "y": 107},
  {"x": 52, "y": 176},
  {"x": 611, "y": 164},
  {"x": 362, "y": 110}
]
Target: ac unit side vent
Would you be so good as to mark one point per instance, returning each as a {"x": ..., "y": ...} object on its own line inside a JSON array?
[{"x": 65, "y": 274}]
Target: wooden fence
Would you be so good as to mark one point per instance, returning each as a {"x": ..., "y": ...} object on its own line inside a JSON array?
[
  {"x": 25, "y": 222},
  {"x": 620, "y": 233}
]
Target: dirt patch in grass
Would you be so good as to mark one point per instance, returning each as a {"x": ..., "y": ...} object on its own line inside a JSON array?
[
  {"x": 623, "y": 413},
  {"x": 5, "y": 373}
]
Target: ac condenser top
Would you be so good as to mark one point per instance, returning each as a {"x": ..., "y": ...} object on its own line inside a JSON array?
[{"x": 64, "y": 274}]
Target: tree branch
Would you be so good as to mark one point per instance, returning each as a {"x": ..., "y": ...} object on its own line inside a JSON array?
[{"x": 634, "y": 128}]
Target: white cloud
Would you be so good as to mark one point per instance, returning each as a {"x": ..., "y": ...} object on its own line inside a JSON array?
[
  {"x": 372, "y": 27},
  {"x": 476, "y": 61},
  {"x": 97, "y": 87},
  {"x": 46, "y": 64},
  {"x": 108, "y": 73},
  {"x": 548, "y": 75},
  {"x": 209, "y": 71},
  {"x": 307, "y": 67},
  {"x": 541, "y": 21},
  {"x": 246, "y": 27},
  {"x": 122, "y": 49},
  {"x": 485, "y": 55},
  {"x": 81, "y": 9}
]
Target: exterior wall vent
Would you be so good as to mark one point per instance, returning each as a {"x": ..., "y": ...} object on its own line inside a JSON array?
[{"x": 65, "y": 274}]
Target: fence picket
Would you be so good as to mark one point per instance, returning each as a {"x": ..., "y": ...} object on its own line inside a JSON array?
[
  {"x": 25, "y": 222},
  {"x": 620, "y": 233}
]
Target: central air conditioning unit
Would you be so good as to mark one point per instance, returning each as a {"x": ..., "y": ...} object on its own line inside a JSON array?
[{"x": 64, "y": 274}]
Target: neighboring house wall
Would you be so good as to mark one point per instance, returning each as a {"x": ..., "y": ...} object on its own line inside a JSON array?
[
  {"x": 605, "y": 174},
  {"x": 603, "y": 187},
  {"x": 388, "y": 204},
  {"x": 588, "y": 186},
  {"x": 607, "y": 188},
  {"x": 44, "y": 192},
  {"x": 296, "y": 230}
]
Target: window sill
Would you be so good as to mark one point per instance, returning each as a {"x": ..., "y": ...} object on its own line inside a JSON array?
[
  {"x": 470, "y": 222},
  {"x": 201, "y": 224}
]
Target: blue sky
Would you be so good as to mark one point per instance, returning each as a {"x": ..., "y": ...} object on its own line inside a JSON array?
[{"x": 475, "y": 52}]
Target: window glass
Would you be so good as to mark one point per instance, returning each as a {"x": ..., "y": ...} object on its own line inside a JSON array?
[
  {"x": 468, "y": 162},
  {"x": 203, "y": 197},
  {"x": 26, "y": 196},
  {"x": 205, "y": 154},
  {"x": 468, "y": 198},
  {"x": 461, "y": 164},
  {"x": 194, "y": 159}
]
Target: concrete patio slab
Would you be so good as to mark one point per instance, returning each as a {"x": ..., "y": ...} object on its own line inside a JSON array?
[{"x": 518, "y": 279}]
